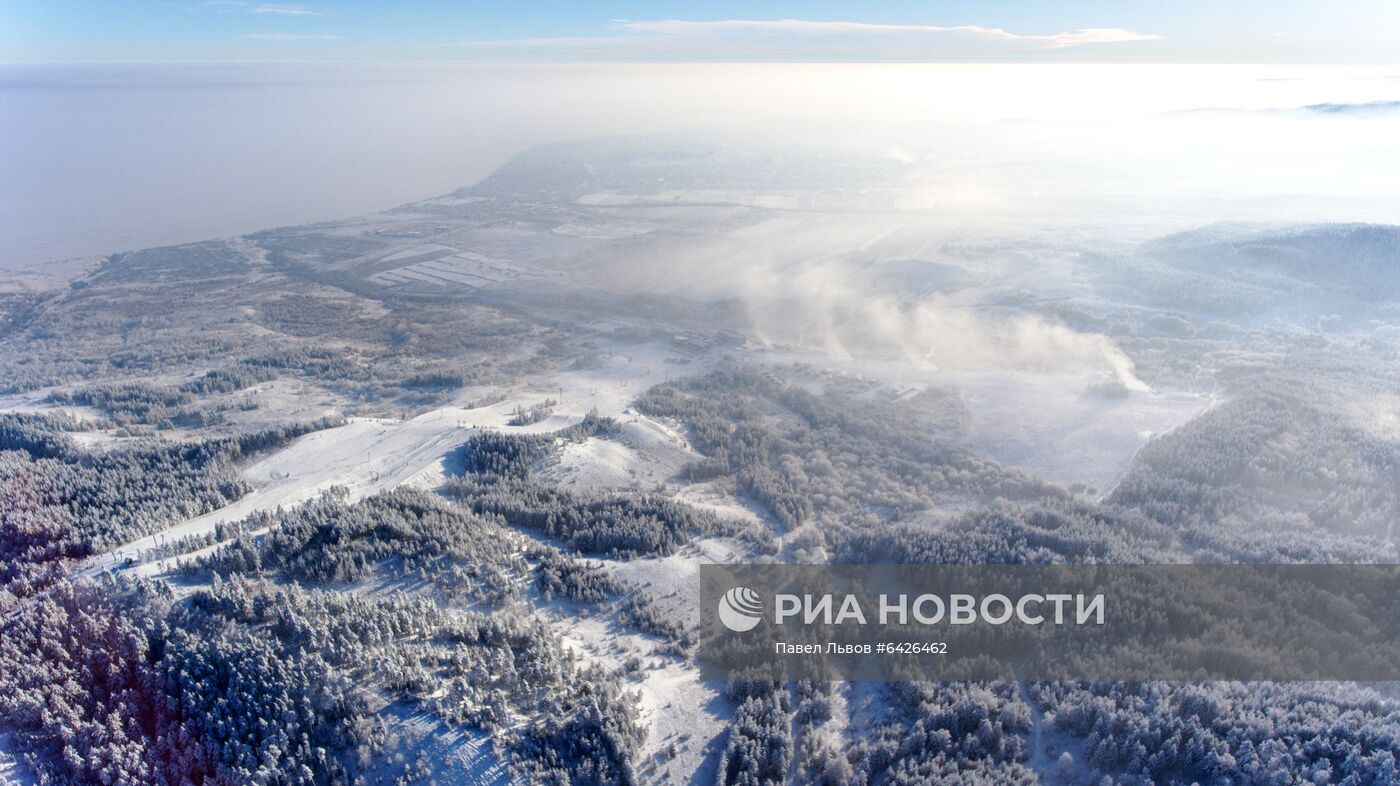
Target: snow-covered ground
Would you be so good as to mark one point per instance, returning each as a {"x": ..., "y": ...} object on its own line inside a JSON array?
[
  {"x": 642, "y": 454},
  {"x": 363, "y": 456},
  {"x": 465, "y": 269},
  {"x": 682, "y": 714},
  {"x": 458, "y": 757},
  {"x": 368, "y": 455},
  {"x": 12, "y": 772},
  {"x": 685, "y": 718}
]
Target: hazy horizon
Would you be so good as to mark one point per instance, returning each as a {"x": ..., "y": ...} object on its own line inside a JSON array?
[{"x": 193, "y": 151}]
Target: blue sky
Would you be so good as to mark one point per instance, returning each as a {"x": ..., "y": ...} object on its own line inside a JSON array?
[{"x": 541, "y": 30}]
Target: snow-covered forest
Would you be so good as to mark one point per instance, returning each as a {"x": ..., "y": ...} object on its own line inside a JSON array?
[{"x": 420, "y": 497}]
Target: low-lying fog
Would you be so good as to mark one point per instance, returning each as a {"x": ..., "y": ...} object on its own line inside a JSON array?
[{"x": 97, "y": 158}]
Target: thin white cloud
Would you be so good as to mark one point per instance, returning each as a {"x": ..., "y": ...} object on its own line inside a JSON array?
[
  {"x": 243, "y": 6},
  {"x": 801, "y": 39},
  {"x": 291, "y": 37},
  {"x": 1090, "y": 35},
  {"x": 283, "y": 10}
]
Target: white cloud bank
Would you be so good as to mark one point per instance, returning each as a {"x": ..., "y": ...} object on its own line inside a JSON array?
[
  {"x": 802, "y": 39},
  {"x": 1081, "y": 37}
]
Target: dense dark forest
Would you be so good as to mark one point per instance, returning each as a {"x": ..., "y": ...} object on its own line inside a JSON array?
[
  {"x": 1268, "y": 463},
  {"x": 250, "y": 683}
]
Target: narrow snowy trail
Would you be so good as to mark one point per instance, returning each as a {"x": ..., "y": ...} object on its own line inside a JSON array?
[{"x": 1039, "y": 760}]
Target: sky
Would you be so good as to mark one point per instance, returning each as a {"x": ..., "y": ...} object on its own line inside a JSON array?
[{"x": 1210, "y": 31}]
